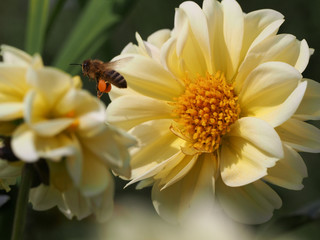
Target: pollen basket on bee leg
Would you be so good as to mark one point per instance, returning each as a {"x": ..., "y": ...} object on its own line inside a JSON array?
[{"x": 102, "y": 85}]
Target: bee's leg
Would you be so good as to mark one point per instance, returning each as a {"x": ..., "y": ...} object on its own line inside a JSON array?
[{"x": 99, "y": 94}]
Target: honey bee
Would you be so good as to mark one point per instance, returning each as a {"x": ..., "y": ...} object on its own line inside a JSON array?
[{"x": 104, "y": 74}]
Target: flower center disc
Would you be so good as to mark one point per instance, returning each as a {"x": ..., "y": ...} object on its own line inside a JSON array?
[{"x": 206, "y": 111}]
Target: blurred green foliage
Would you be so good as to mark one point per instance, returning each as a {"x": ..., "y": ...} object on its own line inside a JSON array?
[{"x": 81, "y": 29}]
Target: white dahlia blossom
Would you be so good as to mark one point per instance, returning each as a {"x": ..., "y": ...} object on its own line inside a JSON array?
[{"x": 219, "y": 101}]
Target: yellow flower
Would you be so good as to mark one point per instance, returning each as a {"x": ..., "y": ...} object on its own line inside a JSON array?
[
  {"x": 218, "y": 101},
  {"x": 65, "y": 126}
]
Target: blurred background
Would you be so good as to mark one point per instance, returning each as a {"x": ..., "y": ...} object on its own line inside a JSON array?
[{"x": 78, "y": 31}]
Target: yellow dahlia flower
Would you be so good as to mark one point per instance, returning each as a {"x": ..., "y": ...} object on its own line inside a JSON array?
[
  {"x": 218, "y": 101},
  {"x": 62, "y": 132}
]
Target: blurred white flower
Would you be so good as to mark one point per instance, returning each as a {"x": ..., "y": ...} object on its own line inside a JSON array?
[
  {"x": 220, "y": 100},
  {"x": 133, "y": 220}
]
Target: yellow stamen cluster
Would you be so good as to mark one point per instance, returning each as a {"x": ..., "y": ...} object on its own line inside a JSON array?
[{"x": 206, "y": 110}]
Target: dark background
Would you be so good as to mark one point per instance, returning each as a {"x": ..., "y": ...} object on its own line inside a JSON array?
[{"x": 145, "y": 17}]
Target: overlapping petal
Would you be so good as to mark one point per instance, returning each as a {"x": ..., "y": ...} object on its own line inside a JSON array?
[
  {"x": 171, "y": 202},
  {"x": 300, "y": 135},
  {"x": 252, "y": 147},
  {"x": 279, "y": 48},
  {"x": 252, "y": 204},
  {"x": 12, "y": 55},
  {"x": 155, "y": 82},
  {"x": 147, "y": 154},
  {"x": 23, "y": 144},
  {"x": 131, "y": 110},
  {"x": 42, "y": 80},
  {"x": 278, "y": 79},
  {"x": 94, "y": 177},
  {"x": 289, "y": 171},
  {"x": 259, "y": 25},
  {"x": 309, "y": 109}
]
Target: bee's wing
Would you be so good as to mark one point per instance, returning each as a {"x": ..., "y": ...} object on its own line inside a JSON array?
[{"x": 117, "y": 63}]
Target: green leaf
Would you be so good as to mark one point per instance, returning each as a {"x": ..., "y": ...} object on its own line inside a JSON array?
[
  {"x": 55, "y": 12},
  {"x": 37, "y": 20},
  {"x": 89, "y": 33}
]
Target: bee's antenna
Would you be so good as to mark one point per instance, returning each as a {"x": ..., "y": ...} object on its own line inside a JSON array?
[{"x": 75, "y": 64}]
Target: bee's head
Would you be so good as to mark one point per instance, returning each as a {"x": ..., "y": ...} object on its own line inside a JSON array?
[{"x": 86, "y": 66}]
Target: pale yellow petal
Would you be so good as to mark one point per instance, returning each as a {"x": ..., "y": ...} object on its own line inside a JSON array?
[
  {"x": 111, "y": 147},
  {"x": 309, "y": 108},
  {"x": 51, "y": 82},
  {"x": 219, "y": 52},
  {"x": 289, "y": 171},
  {"x": 304, "y": 56},
  {"x": 23, "y": 144},
  {"x": 118, "y": 92},
  {"x": 149, "y": 78},
  {"x": 199, "y": 27},
  {"x": 285, "y": 110},
  {"x": 300, "y": 135},
  {"x": 14, "y": 77},
  {"x": 130, "y": 110},
  {"x": 279, "y": 48},
  {"x": 178, "y": 171},
  {"x": 38, "y": 114},
  {"x": 242, "y": 163},
  {"x": 170, "y": 203},
  {"x": 187, "y": 47},
  {"x": 276, "y": 78},
  {"x": 259, "y": 133},
  {"x": 50, "y": 128},
  {"x": 159, "y": 37},
  {"x": 147, "y": 154},
  {"x": 88, "y": 110},
  {"x": 15, "y": 56},
  {"x": 258, "y": 25},
  {"x": 102, "y": 205},
  {"x": 107, "y": 148},
  {"x": 250, "y": 204},
  {"x": 44, "y": 197},
  {"x": 147, "y": 49},
  {"x": 11, "y": 111},
  {"x": 170, "y": 59},
  {"x": 94, "y": 178},
  {"x": 233, "y": 30},
  {"x": 75, "y": 204},
  {"x": 158, "y": 167}
]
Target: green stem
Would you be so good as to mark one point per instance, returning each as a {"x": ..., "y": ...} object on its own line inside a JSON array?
[{"x": 22, "y": 203}]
